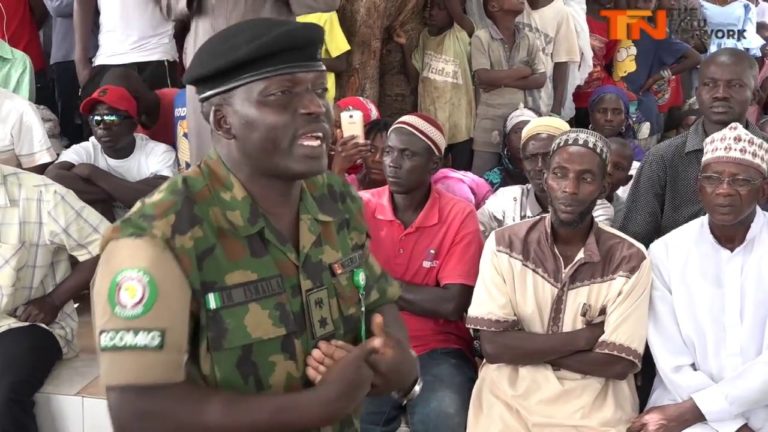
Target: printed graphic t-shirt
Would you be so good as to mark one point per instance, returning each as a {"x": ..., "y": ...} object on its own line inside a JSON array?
[
  {"x": 445, "y": 83},
  {"x": 553, "y": 27}
]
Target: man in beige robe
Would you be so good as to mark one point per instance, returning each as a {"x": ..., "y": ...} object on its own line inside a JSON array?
[{"x": 561, "y": 304}]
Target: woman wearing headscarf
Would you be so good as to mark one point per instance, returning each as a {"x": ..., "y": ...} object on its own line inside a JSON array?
[
  {"x": 610, "y": 116},
  {"x": 346, "y": 154},
  {"x": 510, "y": 170}
]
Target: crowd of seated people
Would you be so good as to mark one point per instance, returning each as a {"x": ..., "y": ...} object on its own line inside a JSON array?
[{"x": 574, "y": 249}]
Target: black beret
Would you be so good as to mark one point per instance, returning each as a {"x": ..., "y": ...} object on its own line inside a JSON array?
[{"x": 253, "y": 50}]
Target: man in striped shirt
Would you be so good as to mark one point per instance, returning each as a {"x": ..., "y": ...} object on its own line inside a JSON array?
[{"x": 41, "y": 225}]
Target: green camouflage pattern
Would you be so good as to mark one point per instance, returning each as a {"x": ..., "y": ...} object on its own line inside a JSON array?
[{"x": 223, "y": 243}]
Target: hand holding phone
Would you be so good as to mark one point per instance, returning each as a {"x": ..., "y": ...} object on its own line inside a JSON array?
[{"x": 352, "y": 124}]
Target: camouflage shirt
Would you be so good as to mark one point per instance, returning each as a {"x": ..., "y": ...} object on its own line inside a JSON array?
[{"x": 257, "y": 306}]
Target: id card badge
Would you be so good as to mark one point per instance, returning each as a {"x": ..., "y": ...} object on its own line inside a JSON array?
[{"x": 359, "y": 279}]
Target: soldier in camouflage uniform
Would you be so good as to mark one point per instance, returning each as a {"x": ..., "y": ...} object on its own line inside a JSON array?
[{"x": 213, "y": 291}]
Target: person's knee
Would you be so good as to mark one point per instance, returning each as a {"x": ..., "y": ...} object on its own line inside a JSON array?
[
  {"x": 12, "y": 392},
  {"x": 445, "y": 410},
  {"x": 446, "y": 402}
]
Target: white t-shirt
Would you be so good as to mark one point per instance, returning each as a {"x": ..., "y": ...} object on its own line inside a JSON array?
[
  {"x": 149, "y": 159},
  {"x": 132, "y": 31},
  {"x": 24, "y": 142},
  {"x": 553, "y": 27},
  {"x": 762, "y": 11}
]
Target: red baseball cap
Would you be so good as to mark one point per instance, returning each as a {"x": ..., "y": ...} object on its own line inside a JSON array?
[{"x": 114, "y": 96}]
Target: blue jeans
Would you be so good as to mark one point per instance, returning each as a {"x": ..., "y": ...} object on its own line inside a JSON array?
[{"x": 448, "y": 376}]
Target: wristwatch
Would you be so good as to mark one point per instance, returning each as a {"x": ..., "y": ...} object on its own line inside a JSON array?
[
  {"x": 404, "y": 398},
  {"x": 414, "y": 390}
]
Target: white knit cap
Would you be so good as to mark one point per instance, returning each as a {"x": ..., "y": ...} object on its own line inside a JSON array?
[{"x": 736, "y": 144}]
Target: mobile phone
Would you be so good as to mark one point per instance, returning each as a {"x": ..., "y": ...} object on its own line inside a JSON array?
[{"x": 352, "y": 124}]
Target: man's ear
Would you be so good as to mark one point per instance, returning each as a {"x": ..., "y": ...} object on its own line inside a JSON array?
[
  {"x": 436, "y": 164},
  {"x": 220, "y": 123},
  {"x": 134, "y": 124},
  {"x": 763, "y": 194},
  {"x": 756, "y": 95},
  {"x": 605, "y": 187},
  {"x": 629, "y": 180}
]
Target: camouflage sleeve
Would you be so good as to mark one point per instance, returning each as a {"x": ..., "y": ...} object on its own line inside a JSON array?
[{"x": 141, "y": 313}]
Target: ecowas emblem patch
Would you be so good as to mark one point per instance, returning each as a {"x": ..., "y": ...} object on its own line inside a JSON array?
[
  {"x": 132, "y": 294},
  {"x": 131, "y": 339}
]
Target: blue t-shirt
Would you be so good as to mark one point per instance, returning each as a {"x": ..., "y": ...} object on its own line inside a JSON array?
[
  {"x": 182, "y": 136},
  {"x": 652, "y": 56}
]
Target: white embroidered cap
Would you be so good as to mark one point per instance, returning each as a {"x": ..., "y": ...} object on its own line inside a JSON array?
[{"x": 736, "y": 144}]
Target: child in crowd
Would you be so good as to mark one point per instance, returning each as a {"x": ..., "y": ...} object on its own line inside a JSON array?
[
  {"x": 620, "y": 173},
  {"x": 439, "y": 65},
  {"x": 506, "y": 61},
  {"x": 372, "y": 176},
  {"x": 554, "y": 25}
]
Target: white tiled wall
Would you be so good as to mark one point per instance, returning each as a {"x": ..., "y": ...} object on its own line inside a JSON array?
[
  {"x": 59, "y": 413},
  {"x": 96, "y": 416},
  {"x": 69, "y": 376}
]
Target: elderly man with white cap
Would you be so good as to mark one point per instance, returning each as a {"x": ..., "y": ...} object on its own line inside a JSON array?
[{"x": 708, "y": 322}]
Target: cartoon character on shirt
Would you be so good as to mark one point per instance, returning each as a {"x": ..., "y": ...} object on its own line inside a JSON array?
[
  {"x": 624, "y": 62},
  {"x": 182, "y": 145}
]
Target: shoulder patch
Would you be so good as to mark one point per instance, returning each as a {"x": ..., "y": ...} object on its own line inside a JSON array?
[{"x": 132, "y": 293}]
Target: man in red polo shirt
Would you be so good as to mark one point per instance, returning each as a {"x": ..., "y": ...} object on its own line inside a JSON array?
[{"x": 430, "y": 241}]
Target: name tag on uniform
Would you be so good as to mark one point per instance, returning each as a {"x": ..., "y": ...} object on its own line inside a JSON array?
[
  {"x": 245, "y": 292},
  {"x": 349, "y": 263},
  {"x": 319, "y": 306}
]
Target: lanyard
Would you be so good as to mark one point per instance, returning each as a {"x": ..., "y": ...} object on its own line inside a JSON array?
[{"x": 359, "y": 280}]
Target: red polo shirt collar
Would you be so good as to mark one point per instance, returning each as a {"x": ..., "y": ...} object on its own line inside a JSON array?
[{"x": 429, "y": 216}]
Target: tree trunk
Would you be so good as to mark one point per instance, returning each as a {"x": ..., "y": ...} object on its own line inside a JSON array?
[{"x": 376, "y": 70}]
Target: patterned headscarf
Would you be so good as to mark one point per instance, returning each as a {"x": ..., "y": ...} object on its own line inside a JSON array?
[{"x": 583, "y": 138}]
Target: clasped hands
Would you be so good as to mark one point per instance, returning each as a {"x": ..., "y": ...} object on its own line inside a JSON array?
[{"x": 382, "y": 364}]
